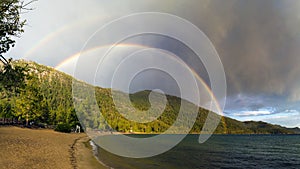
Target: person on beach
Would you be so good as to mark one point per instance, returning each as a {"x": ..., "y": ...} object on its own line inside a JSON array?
[{"x": 77, "y": 129}]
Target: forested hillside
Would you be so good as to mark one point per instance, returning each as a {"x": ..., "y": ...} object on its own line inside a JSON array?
[{"x": 46, "y": 97}]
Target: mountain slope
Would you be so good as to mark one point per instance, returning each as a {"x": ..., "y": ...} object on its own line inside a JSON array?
[{"x": 47, "y": 98}]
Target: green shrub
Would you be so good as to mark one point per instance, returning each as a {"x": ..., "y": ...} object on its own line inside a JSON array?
[{"x": 63, "y": 127}]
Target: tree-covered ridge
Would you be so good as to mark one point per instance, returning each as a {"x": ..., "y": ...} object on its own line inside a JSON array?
[{"x": 47, "y": 98}]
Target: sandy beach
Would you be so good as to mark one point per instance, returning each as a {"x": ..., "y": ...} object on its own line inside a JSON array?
[{"x": 22, "y": 148}]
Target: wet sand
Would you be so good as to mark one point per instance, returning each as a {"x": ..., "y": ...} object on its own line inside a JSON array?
[{"x": 22, "y": 148}]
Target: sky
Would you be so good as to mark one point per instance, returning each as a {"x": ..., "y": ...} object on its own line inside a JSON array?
[{"x": 257, "y": 42}]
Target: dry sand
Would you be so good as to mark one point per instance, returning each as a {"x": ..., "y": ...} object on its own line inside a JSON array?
[{"x": 22, "y": 148}]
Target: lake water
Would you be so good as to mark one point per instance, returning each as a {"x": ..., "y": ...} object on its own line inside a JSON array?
[{"x": 220, "y": 151}]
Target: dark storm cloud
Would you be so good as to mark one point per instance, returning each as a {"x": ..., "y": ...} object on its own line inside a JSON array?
[{"x": 258, "y": 42}]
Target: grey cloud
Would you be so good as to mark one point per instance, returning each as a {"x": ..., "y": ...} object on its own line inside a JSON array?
[
  {"x": 258, "y": 42},
  {"x": 260, "y": 50}
]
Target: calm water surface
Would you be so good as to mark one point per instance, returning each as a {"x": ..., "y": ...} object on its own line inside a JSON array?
[{"x": 220, "y": 151}]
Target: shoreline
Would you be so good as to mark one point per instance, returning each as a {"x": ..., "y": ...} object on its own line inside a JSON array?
[
  {"x": 94, "y": 133},
  {"x": 85, "y": 157},
  {"x": 96, "y": 154}
]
